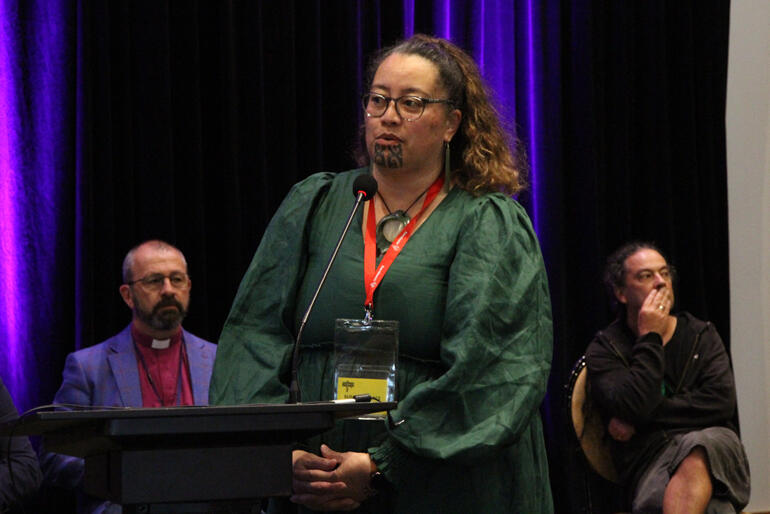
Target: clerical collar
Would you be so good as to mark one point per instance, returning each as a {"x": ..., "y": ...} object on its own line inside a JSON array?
[
  {"x": 156, "y": 344},
  {"x": 160, "y": 344}
]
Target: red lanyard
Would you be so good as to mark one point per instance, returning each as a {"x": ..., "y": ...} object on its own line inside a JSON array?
[{"x": 372, "y": 277}]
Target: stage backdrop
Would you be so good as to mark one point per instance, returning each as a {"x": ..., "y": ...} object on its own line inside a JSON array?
[{"x": 189, "y": 121}]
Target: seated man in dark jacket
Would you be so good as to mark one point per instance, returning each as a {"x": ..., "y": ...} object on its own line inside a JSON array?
[{"x": 665, "y": 387}]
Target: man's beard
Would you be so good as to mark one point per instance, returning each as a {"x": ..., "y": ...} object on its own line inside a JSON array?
[
  {"x": 166, "y": 319},
  {"x": 389, "y": 156}
]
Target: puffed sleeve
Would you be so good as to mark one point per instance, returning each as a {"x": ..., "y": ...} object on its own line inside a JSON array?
[
  {"x": 17, "y": 457},
  {"x": 496, "y": 346},
  {"x": 253, "y": 333}
]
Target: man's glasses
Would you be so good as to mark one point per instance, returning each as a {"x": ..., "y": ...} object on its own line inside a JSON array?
[
  {"x": 408, "y": 107},
  {"x": 155, "y": 281}
]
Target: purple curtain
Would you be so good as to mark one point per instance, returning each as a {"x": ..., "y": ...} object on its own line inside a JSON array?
[{"x": 37, "y": 147}]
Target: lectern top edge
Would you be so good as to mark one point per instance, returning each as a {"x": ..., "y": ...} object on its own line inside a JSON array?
[{"x": 41, "y": 422}]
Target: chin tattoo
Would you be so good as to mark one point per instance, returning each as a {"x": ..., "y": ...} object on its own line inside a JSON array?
[{"x": 391, "y": 156}]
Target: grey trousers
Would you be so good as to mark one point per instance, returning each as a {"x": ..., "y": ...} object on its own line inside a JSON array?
[{"x": 728, "y": 465}]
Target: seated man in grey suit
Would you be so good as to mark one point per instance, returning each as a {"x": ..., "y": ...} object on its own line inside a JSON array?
[{"x": 153, "y": 362}]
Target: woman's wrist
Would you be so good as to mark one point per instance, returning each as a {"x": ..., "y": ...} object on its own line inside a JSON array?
[{"x": 377, "y": 481}]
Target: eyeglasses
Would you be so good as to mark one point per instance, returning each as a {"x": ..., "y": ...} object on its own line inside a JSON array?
[
  {"x": 408, "y": 107},
  {"x": 155, "y": 281}
]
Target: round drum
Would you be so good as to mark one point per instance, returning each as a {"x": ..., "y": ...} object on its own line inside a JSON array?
[{"x": 588, "y": 425}]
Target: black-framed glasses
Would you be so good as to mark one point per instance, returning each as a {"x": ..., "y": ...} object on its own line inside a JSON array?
[
  {"x": 155, "y": 281},
  {"x": 409, "y": 107}
]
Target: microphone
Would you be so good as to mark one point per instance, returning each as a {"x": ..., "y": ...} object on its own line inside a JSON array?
[
  {"x": 364, "y": 185},
  {"x": 364, "y": 189}
]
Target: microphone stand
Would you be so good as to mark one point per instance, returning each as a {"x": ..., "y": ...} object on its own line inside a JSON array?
[{"x": 294, "y": 393}]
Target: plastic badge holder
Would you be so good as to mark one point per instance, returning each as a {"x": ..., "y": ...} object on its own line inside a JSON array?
[{"x": 365, "y": 360}]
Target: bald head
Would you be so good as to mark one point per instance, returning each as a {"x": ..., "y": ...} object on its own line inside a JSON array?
[
  {"x": 155, "y": 245},
  {"x": 156, "y": 288}
]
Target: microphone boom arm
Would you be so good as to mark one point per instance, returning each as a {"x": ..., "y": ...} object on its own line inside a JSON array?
[{"x": 294, "y": 393}]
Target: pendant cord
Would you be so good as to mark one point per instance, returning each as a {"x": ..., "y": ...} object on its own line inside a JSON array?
[{"x": 406, "y": 211}]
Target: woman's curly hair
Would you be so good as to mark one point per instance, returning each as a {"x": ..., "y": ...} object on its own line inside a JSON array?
[{"x": 483, "y": 156}]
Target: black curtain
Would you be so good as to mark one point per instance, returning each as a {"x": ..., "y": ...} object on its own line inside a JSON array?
[
  {"x": 197, "y": 117},
  {"x": 639, "y": 153}
]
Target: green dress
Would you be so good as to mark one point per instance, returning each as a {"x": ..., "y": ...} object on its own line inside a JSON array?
[{"x": 475, "y": 341}]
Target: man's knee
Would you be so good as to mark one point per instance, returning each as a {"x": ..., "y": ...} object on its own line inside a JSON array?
[{"x": 694, "y": 467}]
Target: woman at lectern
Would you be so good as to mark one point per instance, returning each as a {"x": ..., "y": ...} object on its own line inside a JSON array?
[{"x": 443, "y": 249}]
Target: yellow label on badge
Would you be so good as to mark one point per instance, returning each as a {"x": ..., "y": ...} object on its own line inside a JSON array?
[{"x": 350, "y": 387}]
